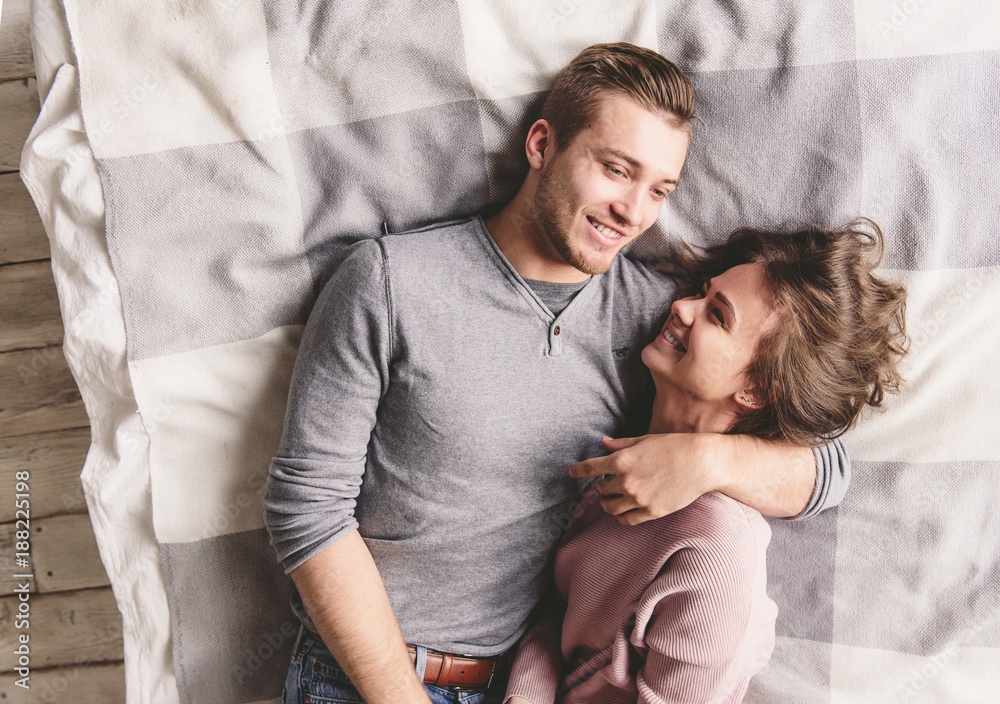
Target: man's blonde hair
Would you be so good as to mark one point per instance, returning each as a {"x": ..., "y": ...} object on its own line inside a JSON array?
[{"x": 635, "y": 72}]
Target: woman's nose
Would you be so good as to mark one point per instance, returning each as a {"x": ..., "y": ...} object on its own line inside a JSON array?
[{"x": 684, "y": 309}]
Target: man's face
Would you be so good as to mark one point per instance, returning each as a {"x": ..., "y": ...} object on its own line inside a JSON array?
[{"x": 606, "y": 187}]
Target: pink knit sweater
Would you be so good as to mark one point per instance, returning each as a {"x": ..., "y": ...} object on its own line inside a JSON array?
[{"x": 672, "y": 610}]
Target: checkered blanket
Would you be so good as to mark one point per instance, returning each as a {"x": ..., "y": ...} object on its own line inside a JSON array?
[{"x": 228, "y": 151}]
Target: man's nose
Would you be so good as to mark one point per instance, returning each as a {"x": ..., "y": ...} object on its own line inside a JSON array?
[{"x": 628, "y": 207}]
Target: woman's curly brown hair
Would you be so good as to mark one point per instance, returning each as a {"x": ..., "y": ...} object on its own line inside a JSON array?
[{"x": 841, "y": 333}]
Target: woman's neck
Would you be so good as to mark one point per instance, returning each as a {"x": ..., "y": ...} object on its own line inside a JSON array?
[{"x": 675, "y": 411}]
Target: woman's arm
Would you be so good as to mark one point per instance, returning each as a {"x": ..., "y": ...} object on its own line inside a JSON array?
[
  {"x": 712, "y": 626},
  {"x": 655, "y": 475},
  {"x": 537, "y": 668}
]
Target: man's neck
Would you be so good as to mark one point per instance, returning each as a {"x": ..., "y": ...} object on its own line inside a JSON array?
[{"x": 518, "y": 233}]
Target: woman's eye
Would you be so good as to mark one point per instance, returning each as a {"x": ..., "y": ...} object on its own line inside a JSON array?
[
  {"x": 615, "y": 170},
  {"x": 718, "y": 315}
]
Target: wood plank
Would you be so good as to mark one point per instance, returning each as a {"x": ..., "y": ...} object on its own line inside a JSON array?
[
  {"x": 18, "y": 111},
  {"x": 8, "y": 535},
  {"x": 53, "y": 462},
  {"x": 96, "y": 684},
  {"x": 22, "y": 237},
  {"x": 30, "y": 315},
  {"x": 15, "y": 41},
  {"x": 38, "y": 393},
  {"x": 65, "y": 629},
  {"x": 65, "y": 555}
]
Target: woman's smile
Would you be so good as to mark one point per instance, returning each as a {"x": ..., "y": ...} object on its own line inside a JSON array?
[{"x": 673, "y": 339}]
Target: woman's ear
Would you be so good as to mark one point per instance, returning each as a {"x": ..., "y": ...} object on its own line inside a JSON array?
[
  {"x": 749, "y": 399},
  {"x": 538, "y": 144}
]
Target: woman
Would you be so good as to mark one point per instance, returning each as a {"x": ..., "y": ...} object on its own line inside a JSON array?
[{"x": 782, "y": 336}]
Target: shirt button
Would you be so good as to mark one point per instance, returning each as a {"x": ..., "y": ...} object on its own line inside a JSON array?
[{"x": 556, "y": 331}]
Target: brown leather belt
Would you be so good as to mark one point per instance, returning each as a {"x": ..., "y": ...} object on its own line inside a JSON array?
[{"x": 447, "y": 670}]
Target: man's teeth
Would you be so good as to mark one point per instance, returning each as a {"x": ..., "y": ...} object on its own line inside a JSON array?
[
  {"x": 607, "y": 232},
  {"x": 673, "y": 341}
]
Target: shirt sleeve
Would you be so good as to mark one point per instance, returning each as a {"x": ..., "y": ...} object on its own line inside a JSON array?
[
  {"x": 341, "y": 373},
  {"x": 833, "y": 477},
  {"x": 537, "y": 668}
]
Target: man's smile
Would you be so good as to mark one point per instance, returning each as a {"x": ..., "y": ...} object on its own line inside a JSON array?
[{"x": 608, "y": 233}]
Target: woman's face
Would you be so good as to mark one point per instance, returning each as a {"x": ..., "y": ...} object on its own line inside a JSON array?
[{"x": 709, "y": 340}]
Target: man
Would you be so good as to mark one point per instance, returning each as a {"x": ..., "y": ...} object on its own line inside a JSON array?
[{"x": 447, "y": 377}]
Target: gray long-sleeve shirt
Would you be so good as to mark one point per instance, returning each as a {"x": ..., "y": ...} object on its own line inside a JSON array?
[{"x": 436, "y": 405}]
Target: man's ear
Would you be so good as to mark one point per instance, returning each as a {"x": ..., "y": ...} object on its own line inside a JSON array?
[
  {"x": 539, "y": 144},
  {"x": 748, "y": 399}
]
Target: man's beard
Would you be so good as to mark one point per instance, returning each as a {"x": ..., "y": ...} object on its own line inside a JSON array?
[{"x": 555, "y": 217}]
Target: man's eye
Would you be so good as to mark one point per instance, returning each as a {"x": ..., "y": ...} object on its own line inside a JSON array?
[
  {"x": 615, "y": 170},
  {"x": 718, "y": 314},
  {"x": 659, "y": 194}
]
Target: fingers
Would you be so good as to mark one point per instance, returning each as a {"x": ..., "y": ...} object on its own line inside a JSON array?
[
  {"x": 615, "y": 444},
  {"x": 591, "y": 468},
  {"x": 609, "y": 485},
  {"x": 634, "y": 517},
  {"x": 617, "y": 504},
  {"x": 626, "y": 511},
  {"x": 614, "y": 463}
]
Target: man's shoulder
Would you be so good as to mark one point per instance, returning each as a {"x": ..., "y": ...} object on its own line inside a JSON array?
[
  {"x": 414, "y": 248},
  {"x": 439, "y": 235}
]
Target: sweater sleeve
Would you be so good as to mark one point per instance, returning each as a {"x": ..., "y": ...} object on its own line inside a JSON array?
[
  {"x": 833, "y": 477},
  {"x": 340, "y": 375},
  {"x": 537, "y": 668},
  {"x": 712, "y": 626}
]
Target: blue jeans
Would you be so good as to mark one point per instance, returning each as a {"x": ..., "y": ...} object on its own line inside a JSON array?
[{"x": 314, "y": 677}]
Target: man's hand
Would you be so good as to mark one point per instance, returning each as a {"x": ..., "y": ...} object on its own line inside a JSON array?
[
  {"x": 654, "y": 475},
  {"x": 650, "y": 476}
]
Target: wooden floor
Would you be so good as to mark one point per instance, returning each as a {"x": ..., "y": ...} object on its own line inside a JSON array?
[{"x": 75, "y": 629}]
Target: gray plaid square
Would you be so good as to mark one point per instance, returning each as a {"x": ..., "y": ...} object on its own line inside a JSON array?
[
  {"x": 406, "y": 170},
  {"x": 505, "y": 127},
  {"x": 801, "y": 567},
  {"x": 705, "y": 35},
  {"x": 334, "y": 63},
  {"x": 214, "y": 255},
  {"x": 932, "y": 151},
  {"x": 231, "y": 616},
  {"x": 771, "y": 147}
]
